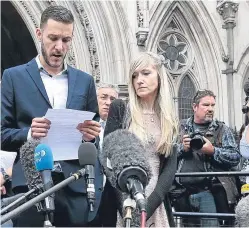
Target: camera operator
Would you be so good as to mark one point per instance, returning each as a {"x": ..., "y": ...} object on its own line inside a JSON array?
[{"x": 207, "y": 145}]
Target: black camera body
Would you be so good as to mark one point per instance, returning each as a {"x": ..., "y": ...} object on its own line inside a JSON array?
[
  {"x": 197, "y": 140},
  {"x": 245, "y": 108}
]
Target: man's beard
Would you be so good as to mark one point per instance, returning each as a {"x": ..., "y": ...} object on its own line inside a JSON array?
[
  {"x": 209, "y": 119},
  {"x": 46, "y": 57}
]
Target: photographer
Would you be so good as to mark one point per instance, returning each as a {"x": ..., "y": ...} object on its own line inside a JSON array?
[{"x": 207, "y": 145}]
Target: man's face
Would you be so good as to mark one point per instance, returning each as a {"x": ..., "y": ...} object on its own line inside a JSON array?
[
  {"x": 55, "y": 40},
  {"x": 105, "y": 98},
  {"x": 204, "y": 111}
]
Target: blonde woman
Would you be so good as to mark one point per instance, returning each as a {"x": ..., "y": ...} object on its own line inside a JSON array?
[{"x": 150, "y": 115}]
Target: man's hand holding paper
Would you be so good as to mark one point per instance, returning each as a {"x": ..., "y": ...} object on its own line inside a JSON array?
[
  {"x": 90, "y": 129},
  {"x": 39, "y": 127},
  {"x": 66, "y": 129}
]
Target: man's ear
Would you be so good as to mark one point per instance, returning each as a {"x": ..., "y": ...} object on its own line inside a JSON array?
[
  {"x": 39, "y": 34},
  {"x": 194, "y": 106}
]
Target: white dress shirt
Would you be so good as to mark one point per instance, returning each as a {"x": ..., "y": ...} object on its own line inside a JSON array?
[{"x": 56, "y": 87}]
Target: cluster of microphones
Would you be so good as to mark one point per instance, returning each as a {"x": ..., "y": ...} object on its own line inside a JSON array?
[{"x": 122, "y": 158}]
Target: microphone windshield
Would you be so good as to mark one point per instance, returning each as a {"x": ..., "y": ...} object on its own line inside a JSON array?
[
  {"x": 123, "y": 149},
  {"x": 28, "y": 165},
  {"x": 43, "y": 158},
  {"x": 87, "y": 154},
  {"x": 242, "y": 212}
]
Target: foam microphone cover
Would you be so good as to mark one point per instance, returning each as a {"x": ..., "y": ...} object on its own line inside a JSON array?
[
  {"x": 28, "y": 164},
  {"x": 87, "y": 154},
  {"x": 123, "y": 149},
  {"x": 242, "y": 212}
]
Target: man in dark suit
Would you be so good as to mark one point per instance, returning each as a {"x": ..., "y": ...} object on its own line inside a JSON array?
[{"x": 27, "y": 93}]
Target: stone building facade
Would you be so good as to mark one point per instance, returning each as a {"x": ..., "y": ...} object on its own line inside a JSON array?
[{"x": 205, "y": 43}]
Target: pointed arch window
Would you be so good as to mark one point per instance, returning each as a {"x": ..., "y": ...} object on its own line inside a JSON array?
[{"x": 185, "y": 95}]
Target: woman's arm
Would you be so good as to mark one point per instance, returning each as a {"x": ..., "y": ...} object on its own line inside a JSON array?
[
  {"x": 164, "y": 183},
  {"x": 244, "y": 148}
]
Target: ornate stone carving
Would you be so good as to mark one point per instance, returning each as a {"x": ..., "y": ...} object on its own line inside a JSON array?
[
  {"x": 90, "y": 39},
  {"x": 140, "y": 16},
  {"x": 143, "y": 22},
  {"x": 228, "y": 10},
  {"x": 29, "y": 12},
  {"x": 175, "y": 47},
  {"x": 51, "y": 2},
  {"x": 141, "y": 36},
  {"x": 71, "y": 58}
]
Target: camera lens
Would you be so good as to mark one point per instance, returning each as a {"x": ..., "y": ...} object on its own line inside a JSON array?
[
  {"x": 197, "y": 142},
  {"x": 245, "y": 109}
]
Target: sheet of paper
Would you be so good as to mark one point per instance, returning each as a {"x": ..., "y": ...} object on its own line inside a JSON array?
[
  {"x": 7, "y": 159},
  {"x": 63, "y": 138}
]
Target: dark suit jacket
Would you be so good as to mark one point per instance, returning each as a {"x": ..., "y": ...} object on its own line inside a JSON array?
[{"x": 24, "y": 97}]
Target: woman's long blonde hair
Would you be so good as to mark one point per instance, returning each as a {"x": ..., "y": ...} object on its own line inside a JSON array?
[{"x": 163, "y": 103}]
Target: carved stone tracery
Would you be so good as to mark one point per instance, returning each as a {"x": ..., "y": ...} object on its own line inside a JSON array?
[
  {"x": 90, "y": 39},
  {"x": 228, "y": 10},
  {"x": 31, "y": 15},
  {"x": 143, "y": 22}
]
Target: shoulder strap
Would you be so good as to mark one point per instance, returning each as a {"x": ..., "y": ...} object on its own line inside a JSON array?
[{"x": 218, "y": 134}]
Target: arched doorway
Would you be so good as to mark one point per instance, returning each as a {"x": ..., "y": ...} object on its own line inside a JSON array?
[{"x": 17, "y": 45}]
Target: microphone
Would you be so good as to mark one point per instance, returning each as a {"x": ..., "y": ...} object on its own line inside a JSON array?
[
  {"x": 44, "y": 164},
  {"x": 90, "y": 156},
  {"x": 242, "y": 212},
  {"x": 84, "y": 158},
  {"x": 28, "y": 164},
  {"x": 130, "y": 170}
]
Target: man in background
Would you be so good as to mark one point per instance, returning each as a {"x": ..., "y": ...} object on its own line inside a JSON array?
[
  {"x": 106, "y": 94},
  {"x": 207, "y": 145}
]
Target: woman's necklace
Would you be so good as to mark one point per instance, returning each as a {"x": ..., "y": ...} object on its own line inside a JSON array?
[{"x": 151, "y": 116}]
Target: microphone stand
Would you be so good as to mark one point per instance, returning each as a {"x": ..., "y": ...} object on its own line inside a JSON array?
[
  {"x": 47, "y": 222},
  {"x": 129, "y": 205},
  {"x": 48, "y": 214},
  {"x": 42, "y": 196},
  {"x": 22, "y": 197}
]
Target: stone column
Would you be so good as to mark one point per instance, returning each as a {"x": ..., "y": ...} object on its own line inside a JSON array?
[{"x": 228, "y": 11}]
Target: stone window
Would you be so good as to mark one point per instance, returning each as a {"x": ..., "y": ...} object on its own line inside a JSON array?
[{"x": 185, "y": 95}]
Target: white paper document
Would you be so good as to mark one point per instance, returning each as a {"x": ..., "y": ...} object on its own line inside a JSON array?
[
  {"x": 7, "y": 159},
  {"x": 63, "y": 138}
]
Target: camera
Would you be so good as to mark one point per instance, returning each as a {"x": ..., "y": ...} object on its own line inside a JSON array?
[
  {"x": 245, "y": 108},
  {"x": 197, "y": 140}
]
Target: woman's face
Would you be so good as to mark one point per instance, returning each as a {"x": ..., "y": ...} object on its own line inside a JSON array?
[{"x": 145, "y": 82}]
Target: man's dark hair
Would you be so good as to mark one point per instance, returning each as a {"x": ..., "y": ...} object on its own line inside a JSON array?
[
  {"x": 202, "y": 93},
  {"x": 57, "y": 13}
]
